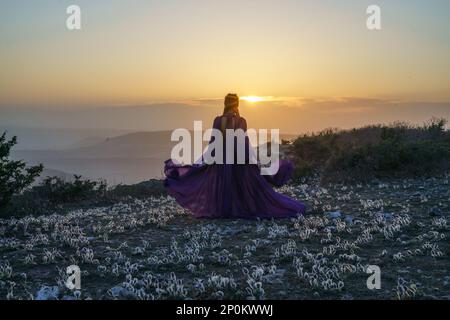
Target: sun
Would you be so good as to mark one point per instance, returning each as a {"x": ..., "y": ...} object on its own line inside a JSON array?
[{"x": 252, "y": 99}]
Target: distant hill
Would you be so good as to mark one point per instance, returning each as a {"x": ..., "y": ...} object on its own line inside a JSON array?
[
  {"x": 47, "y": 172},
  {"x": 138, "y": 144},
  {"x": 122, "y": 159},
  {"x": 31, "y": 138},
  {"x": 128, "y": 158},
  {"x": 85, "y": 142}
]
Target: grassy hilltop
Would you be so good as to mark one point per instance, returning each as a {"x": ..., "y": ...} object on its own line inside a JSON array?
[{"x": 377, "y": 195}]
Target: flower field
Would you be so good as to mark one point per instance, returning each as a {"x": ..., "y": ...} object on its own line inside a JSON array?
[{"x": 154, "y": 249}]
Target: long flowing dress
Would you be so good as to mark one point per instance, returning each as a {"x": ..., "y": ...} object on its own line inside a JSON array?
[{"x": 231, "y": 190}]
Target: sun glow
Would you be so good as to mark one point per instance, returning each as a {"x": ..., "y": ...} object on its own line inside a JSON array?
[{"x": 252, "y": 99}]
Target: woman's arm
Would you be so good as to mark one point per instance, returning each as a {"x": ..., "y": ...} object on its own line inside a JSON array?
[
  {"x": 216, "y": 123},
  {"x": 242, "y": 124}
]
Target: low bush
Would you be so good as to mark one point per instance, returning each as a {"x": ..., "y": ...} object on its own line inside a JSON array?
[
  {"x": 15, "y": 176},
  {"x": 397, "y": 150}
]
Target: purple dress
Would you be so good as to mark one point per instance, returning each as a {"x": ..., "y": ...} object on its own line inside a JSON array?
[{"x": 231, "y": 190}]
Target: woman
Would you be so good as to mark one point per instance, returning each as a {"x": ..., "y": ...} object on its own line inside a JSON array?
[{"x": 231, "y": 190}]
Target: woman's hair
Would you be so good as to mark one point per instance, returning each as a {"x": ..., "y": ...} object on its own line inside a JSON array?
[{"x": 231, "y": 104}]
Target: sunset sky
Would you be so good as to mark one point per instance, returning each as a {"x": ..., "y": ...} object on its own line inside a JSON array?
[{"x": 292, "y": 52}]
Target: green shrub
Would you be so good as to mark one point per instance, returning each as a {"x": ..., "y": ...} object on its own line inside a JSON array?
[
  {"x": 141, "y": 190},
  {"x": 54, "y": 194},
  {"x": 57, "y": 190},
  {"x": 14, "y": 175},
  {"x": 397, "y": 150}
]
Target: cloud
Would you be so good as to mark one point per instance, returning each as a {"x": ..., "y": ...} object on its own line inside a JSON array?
[{"x": 289, "y": 114}]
